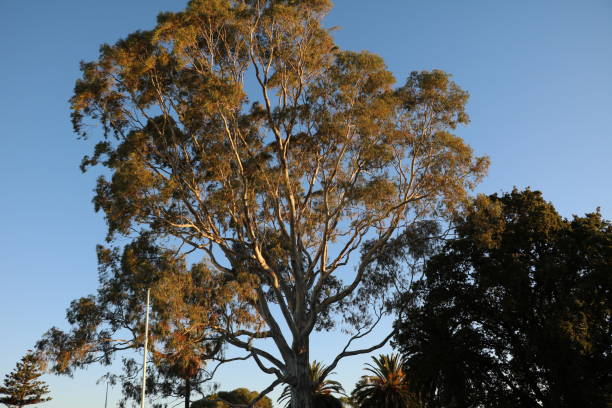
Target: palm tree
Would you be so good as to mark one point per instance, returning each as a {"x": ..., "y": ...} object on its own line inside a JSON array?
[
  {"x": 385, "y": 387},
  {"x": 322, "y": 389},
  {"x": 348, "y": 402}
]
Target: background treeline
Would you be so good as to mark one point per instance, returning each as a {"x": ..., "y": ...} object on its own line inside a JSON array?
[{"x": 514, "y": 311}]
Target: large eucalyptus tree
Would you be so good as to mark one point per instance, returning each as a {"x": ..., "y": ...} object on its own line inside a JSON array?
[{"x": 239, "y": 133}]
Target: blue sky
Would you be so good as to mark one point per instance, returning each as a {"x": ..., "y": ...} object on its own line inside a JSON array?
[{"x": 539, "y": 75}]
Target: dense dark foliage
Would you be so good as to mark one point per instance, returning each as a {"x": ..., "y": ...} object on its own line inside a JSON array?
[{"x": 515, "y": 311}]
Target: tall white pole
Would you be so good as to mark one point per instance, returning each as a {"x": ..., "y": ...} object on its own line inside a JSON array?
[
  {"x": 106, "y": 398},
  {"x": 146, "y": 344}
]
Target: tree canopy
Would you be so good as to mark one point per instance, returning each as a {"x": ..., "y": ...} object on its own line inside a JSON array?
[
  {"x": 237, "y": 133},
  {"x": 22, "y": 386},
  {"x": 227, "y": 399},
  {"x": 515, "y": 311}
]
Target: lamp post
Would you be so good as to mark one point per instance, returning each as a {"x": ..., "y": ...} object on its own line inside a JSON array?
[
  {"x": 144, "y": 361},
  {"x": 106, "y": 398}
]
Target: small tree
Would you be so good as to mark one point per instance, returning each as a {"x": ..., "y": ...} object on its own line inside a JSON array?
[
  {"x": 240, "y": 397},
  {"x": 386, "y": 386},
  {"x": 21, "y": 386}
]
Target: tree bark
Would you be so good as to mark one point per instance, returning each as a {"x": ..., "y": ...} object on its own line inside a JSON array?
[{"x": 301, "y": 392}]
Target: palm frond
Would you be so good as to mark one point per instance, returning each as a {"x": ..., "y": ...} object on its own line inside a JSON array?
[
  {"x": 322, "y": 388},
  {"x": 385, "y": 386}
]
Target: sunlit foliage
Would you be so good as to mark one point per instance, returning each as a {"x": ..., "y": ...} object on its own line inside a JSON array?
[{"x": 238, "y": 132}]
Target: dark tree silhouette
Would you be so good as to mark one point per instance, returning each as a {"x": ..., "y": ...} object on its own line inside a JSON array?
[
  {"x": 515, "y": 311},
  {"x": 21, "y": 386}
]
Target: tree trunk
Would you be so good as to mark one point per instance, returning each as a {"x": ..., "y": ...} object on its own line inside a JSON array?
[
  {"x": 302, "y": 395},
  {"x": 301, "y": 392},
  {"x": 187, "y": 392}
]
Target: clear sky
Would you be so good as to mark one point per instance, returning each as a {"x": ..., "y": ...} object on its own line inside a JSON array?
[{"x": 539, "y": 75}]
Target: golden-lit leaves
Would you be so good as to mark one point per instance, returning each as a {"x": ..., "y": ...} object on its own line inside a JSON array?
[
  {"x": 432, "y": 95},
  {"x": 488, "y": 221},
  {"x": 377, "y": 193},
  {"x": 255, "y": 182}
]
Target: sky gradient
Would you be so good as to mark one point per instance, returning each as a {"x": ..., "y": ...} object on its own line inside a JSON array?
[{"x": 538, "y": 72}]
